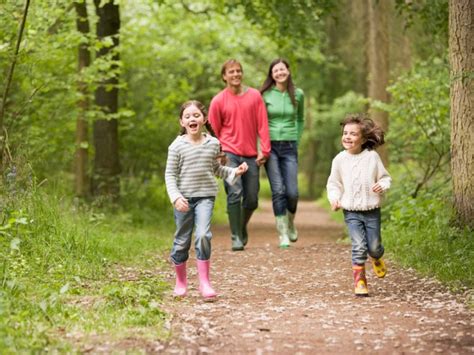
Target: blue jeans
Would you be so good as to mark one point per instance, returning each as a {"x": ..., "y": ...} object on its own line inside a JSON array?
[
  {"x": 199, "y": 216},
  {"x": 246, "y": 188},
  {"x": 282, "y": 172},
  {"x": 364, "y": 230}
]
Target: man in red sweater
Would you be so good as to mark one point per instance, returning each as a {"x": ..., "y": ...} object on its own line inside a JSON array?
[{"x": 239, "y": 119}]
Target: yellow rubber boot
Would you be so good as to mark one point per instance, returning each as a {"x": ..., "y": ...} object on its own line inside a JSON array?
[{"x": 379, "y": 267}]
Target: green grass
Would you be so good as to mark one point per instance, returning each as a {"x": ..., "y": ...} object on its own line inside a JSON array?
[
  {"x": 419, "y": 234},
  {"x": 68, "y": 269}
]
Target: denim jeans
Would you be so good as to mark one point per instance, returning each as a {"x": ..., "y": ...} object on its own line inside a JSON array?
[
  {"x": 246, "y": 188},
  {"x": 198, "y": 216},
  {"x": 282, "y": 172},
  {"x": 364, "y": 230}
]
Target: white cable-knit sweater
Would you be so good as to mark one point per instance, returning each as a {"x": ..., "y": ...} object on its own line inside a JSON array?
[{"x": 352, "y": 177}]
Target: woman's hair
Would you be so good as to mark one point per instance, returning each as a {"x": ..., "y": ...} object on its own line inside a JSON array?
[
  {"x": 269, "y": 81},
  {"x": 201, "y": 108},
  {"x": 227, "y": 64},
  {"x": 371, "y": 132}
]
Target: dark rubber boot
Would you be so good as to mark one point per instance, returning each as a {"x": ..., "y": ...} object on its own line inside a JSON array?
[
  {"x": 235, "y": 222},
  {"x": 246, "y": 214}
]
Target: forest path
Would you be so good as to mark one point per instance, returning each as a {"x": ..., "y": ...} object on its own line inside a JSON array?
[{"x": 300, "y": 301}]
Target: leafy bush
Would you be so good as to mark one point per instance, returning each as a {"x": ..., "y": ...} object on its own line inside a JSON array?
[
  {"x": 417, "y": 229},
  {"x": 420, "y": 127}
]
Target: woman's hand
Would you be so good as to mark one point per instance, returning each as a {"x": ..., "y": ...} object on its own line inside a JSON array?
[{"x": 181, "y": 204}]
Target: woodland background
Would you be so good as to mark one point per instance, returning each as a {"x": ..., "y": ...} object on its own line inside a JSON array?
[{"x": 90, "y": 98}]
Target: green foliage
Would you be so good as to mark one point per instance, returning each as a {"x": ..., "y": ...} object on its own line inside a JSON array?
[
  {"x": 324, "y": 136},
  {"x": 417, "y": 229},
  {"x": 418, "y": 233},
  {"x": 419, "y": 134},
  {"x": 59, "y": 272},
  {"x": 427, "y": 26},
  {"x": 434, "y": 14}
]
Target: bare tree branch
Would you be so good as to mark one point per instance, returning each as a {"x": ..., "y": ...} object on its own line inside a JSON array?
[{"x": 9, "y": 80}]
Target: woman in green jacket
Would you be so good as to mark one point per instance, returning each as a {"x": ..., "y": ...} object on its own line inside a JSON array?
[{"x": 285, "y": 108}]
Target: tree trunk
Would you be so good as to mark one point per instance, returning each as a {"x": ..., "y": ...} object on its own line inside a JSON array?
[
  {"x": 461, "y": 53},
  {"x": 106, "y": 180},
  {"x": 359, "y": 21},
  {"x": 311, "y": 153},
  {"x": 378, "y": 60},
  {"x": 82, "y": 139}
]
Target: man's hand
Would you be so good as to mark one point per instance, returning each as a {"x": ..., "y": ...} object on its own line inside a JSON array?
[{"x": 261, "y": 159}]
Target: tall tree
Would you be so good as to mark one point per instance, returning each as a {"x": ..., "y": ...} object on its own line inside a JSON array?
[
  {"x": 82, "y": 140},
  {"x": 378, "y": 61},
  {"x": 106, "y": 181},
  {"x": 461, "y": 53}
]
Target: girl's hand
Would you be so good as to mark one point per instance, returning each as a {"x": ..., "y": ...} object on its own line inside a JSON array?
[
  {"x": 335, "y": 205},
  {"x": 181, "y": 204},
  {"x": 377, "y": 188},
  {"x": 241, "y": 169}
]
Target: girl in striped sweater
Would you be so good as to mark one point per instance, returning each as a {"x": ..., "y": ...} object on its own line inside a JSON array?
[{"x": 191, "y": 167}]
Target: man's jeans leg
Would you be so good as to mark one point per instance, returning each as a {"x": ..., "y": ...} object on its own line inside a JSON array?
[{"x": 246, "y": 188}]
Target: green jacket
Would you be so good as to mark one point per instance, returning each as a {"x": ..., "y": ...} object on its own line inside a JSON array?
[{"x": 284, "y": 120}]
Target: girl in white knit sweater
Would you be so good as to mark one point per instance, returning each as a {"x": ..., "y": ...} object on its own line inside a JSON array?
[{"x": 357, "y": 182}]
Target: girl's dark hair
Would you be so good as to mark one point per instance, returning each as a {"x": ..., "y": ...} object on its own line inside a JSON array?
[
  {"x": 227, "y": 64},
  {"x": 269, "y": 81},
  {"x": 371, "y": 132},
  {"x": 201, "y": 108}
]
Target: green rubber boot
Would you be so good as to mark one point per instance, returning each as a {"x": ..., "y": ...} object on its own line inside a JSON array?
[
  {"x": 235, "y": 222},
  {"x": 246, "y": 214},
  {"x": 282, "y": 228},
  {"x": 292, "y": 232}
]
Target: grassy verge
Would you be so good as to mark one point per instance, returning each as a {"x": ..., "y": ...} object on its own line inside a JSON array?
[
  {"x": 68, "y": 274},
  {"x": 418, "y": 233}
]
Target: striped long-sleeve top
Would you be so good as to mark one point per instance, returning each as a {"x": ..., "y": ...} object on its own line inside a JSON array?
[{"x": 191, "y": 169}]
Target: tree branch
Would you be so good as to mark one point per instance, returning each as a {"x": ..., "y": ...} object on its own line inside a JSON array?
[{"x": 9, "y": 78}]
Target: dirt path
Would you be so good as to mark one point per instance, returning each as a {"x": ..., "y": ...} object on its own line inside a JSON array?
[{"x": 299, "y": 301}]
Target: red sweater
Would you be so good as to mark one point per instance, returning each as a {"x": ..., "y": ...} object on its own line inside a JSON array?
[{"x": 238, "y": 120}]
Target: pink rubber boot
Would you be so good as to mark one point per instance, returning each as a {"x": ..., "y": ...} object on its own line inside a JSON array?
[
  {"x": 204, "y": 285},
  {"x": 181, "y": 281}
]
